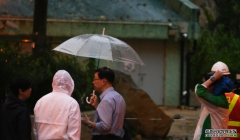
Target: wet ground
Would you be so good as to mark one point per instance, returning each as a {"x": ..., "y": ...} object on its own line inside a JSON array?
[{"x": 183, "y": 128}]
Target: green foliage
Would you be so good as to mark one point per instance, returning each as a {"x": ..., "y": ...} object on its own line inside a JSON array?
[
  {"x": 219, "y": 42},
  {"x": 210, "y": 19},
  {"x": 228, "y": 16},
  {"x": 213, "y": 48},
  {"x": 40, "y": 70}
]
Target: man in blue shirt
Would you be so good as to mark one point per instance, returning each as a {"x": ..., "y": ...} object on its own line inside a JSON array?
[{"x": 110, "y": 112}]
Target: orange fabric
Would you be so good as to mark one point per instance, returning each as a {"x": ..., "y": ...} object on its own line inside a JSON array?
[{"x": 234, "y": 112}]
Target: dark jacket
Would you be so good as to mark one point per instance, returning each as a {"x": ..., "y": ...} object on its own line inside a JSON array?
[{"x": 15, "y": 123}]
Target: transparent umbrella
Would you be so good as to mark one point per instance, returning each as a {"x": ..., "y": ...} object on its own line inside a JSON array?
[{"x": 100, "y": 47}]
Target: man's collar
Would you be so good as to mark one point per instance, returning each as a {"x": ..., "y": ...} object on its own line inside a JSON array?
[{"x": 105, "y": 92}]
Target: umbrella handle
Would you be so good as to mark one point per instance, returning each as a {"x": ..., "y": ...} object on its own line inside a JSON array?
[
  {"x": 87, "y": 97},
  {"x": 103, "y": 31}
]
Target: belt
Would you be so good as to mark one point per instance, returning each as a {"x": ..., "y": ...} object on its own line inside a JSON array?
[{"x": 106, "y": 137}]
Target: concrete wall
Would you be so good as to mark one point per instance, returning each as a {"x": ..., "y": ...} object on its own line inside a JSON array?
[
  {"x": 172, "y": 74},
  {"x": 66, "y": 29}
]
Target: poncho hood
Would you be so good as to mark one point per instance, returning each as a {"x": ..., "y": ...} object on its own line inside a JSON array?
[{"x": 63, "y": 82}]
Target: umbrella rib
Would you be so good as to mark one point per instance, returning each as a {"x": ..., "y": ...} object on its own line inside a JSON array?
[
  {"x": 66, "y": 50},
  {"x": 99, "y": 54},
  {"x": 81, "y": 48}
]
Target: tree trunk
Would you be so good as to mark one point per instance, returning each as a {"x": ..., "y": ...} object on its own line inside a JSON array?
[{"x": 40, "y": 26}]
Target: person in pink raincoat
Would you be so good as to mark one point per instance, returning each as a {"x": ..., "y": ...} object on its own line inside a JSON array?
[
  {"x": 216, "y": 106},
  {"x": 57, "y": 115},
  {"x": 214, "y": 113}
]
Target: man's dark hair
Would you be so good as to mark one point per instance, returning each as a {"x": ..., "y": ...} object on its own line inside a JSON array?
[
  {"x": 106, "y": 73},
  {"x": 208, "y": 75},
  {"x": 19, "y": 83}
]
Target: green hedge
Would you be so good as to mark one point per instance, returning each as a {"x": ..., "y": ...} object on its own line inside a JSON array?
[
  {"x": 212, "y": 48},
  {"x": 40, "y": 70}
]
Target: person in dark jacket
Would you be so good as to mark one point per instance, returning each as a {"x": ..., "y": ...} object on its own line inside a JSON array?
[{"x": 15, "y": 123}]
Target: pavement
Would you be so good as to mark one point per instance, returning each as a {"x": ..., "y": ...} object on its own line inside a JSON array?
[{"x": 183, "y": 128}]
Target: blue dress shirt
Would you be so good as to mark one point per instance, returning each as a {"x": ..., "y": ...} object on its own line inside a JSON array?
[{"x": 110, "y": 113}]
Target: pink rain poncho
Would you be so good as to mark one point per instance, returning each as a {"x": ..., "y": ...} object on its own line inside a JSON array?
[
  {"x": 57, "y": 115},
  {"x": 216, "y": 106}
]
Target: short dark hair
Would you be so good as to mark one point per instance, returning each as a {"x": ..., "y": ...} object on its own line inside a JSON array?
[
  {"x": 208, "y": 75},
  {"x": 106, "y": 73},
  {"x": 19, "y": 83}
]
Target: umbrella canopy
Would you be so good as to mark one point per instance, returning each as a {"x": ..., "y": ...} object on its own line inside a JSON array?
[{"x": 100, "y": 47}]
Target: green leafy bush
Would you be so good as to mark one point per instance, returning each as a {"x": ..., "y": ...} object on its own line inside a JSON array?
[
  {"x": 219, "y": 41},
  {"x": 213, "y": 48},
  {"x": 40, "y": 70}
]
